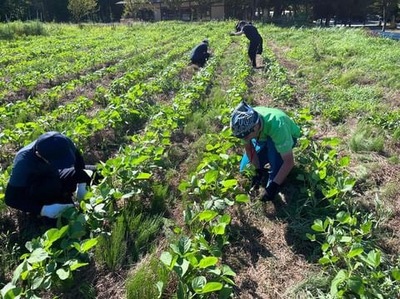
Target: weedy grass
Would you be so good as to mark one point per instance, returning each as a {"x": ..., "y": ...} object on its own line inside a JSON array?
[
  {"x": 112, "y": 248},
  {"x": 142, "y": 283},
  {"x": 131, "y": 236},
  {"x": 12, "y": 30},
  {"x": 367, "y": 138}
]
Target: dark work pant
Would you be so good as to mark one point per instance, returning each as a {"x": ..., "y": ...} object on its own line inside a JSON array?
[
  {"x": 50, "y": 188},
  {"x": 201, "y": 61},
  {"x": 267, "y": 153},
  {"x": 255, "y": 47}
]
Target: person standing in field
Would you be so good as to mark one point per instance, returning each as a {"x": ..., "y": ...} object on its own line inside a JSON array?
[
  {"x": 45, "y": 175},
  {"x": 269, "y": 136},
  {"x": 252, "y": 34},
  {"x": 199, "y": 54}
]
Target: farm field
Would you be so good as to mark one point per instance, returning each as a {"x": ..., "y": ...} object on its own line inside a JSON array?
[{"x": 172, "y": 217}]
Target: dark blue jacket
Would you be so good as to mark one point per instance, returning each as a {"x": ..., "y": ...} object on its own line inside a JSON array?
[
  {"x": 30, "y": 173},
  {"x": 251, "y": 32},
  {"x": 200, "y": 52}
]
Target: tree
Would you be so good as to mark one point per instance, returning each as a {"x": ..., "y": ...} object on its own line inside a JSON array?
[
  {"x": 133, "y": 6},
  {"x": 14, "y": 9},
  {"x": 203, "y": 7},
  {"x": 81, "y": 8}
]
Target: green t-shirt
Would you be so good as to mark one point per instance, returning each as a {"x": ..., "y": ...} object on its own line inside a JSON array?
[{"x": 279, "y": 126}]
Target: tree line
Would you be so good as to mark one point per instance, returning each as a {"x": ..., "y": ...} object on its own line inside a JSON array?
[{"x": 344, "y": 11}]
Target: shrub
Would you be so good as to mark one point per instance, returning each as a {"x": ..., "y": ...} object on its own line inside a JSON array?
[{"x": 15, "y": 29}]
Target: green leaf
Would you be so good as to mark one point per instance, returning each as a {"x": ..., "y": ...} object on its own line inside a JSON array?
[
  {"x": 228, "y": 184},
  {"x": 344, "y": 161},
  {"x": 198, "y": 283},
  {"x": 366, "y": 227},
  {"x": 139, "y": 160},
  {"x": 208, "y": 262},
  {"x": 184, "y": 245},
  {"x": 143, "y": 176},
  {"x": 219, "y": 229},
  {"x": 37, "y": 282},
  {"x": 322, "y": 173},
  {"x": 181, "y": 267},
  {"x": 346, "y": 239},
  {"x": 88, "y": 244},
  {"x": 311, "y": 237},
  {"x": 355, "y": 252},
  {"x": 355, "y": 284},
  {"x": 226, "y": 218},
  {"x": 225, "y": 293},
  {"x": 215, "y": 271},
  {"x": 331, "y": 141},
  {"x": 324, "y": 260},
  {"x": 226, "y": 270},
  {"x": 182, "y": 290},
  {"x": 343, "y": 217},
  {"x": 10, "y": 291},
  {"x": 348, "y": 184},
  {"x": 192, "y": 258},
  {"x": 211, "y": 287},
  {"x": 211, "y": 176},
  {"x": 19, "y": 270},
  {"x": 38, "y": 255},
  {"x": 242, "y": 198},
  {"x": 54, "y": 234},
  {"x": 75, "y": 264},
  {"x": 325, "y": 246},
  {"x": 63, "y": 274},
  {"x": 374, "y": 258},
  {"x": 396, "y": 274},
  {"x": 330, "y": 193},
  {"x": 207, "y": 215},
  {"x": 160, "y": 287},
  {"x": 318, "y": 226},
  {"x": 166, "y": 258},
  {"x": 337, "y": 281}
]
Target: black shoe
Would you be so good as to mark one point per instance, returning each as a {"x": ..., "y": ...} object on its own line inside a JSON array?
[{"x": 264, "y": 197}]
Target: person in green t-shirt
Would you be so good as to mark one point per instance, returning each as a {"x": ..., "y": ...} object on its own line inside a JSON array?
[{"x": 269, "y": 136}]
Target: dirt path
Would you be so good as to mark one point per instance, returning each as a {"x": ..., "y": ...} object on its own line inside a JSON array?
[{"x": 261, "y": 252}]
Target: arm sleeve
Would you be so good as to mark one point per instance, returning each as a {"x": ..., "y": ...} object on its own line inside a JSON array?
[
  {"x": 79, "y": 162},
  {"x": 18, "y": 198}
]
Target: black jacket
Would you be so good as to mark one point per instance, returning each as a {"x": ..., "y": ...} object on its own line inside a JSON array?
[{"x": 33, "y": 182}]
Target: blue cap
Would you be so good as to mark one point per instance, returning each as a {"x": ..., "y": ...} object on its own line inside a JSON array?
[{"x": 57, "y": 149}]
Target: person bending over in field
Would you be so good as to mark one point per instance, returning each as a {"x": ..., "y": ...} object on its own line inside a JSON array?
[
  {"x": 200, "y": 54},
  {"x": 252, "y": 34},
  {"x": 268, "y": 136},
  {"x": 45, "y": 176}
]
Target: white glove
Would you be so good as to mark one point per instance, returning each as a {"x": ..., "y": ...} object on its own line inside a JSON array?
[
  {"x": 81, "y": 191},
  {"x": 54, "y": 210}
]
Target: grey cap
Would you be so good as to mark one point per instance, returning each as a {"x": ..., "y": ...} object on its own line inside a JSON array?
[{"x": 243, "y": 120}]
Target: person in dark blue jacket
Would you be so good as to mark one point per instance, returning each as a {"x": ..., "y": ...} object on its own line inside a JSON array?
[
  {"x": 252, "y": 34},
  {"x": 200, "y": 54},
  {"x": 46, "y": 174}
]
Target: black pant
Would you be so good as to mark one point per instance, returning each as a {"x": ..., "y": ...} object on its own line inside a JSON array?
[
  {"x": 201, "y": 61},
  {"x": 255, "y": 47}
]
